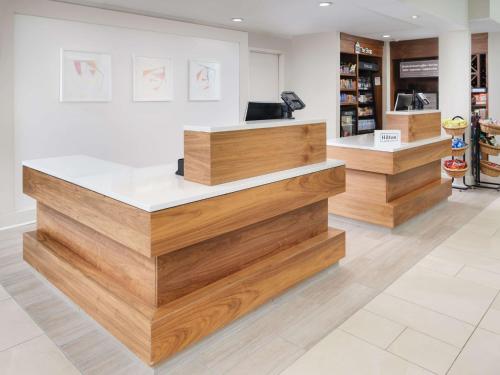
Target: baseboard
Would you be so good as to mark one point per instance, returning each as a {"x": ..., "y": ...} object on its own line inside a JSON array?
[{"x": 17, "y": 218}]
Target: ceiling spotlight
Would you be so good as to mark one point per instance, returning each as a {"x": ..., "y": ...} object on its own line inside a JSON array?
[
  {"x": 237, "y": 19},
  {"x": 325, "y": 4},
  {"x": 386, "y": 36},
  {"x": 414, "y": 16}
]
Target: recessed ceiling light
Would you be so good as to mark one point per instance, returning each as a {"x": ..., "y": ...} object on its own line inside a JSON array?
[
  {"x": 386, "y": 36},
  {"x": 237, "y": 19},
  {"x": 414, "y": 16},
  {"x": 325, "y": 4}
]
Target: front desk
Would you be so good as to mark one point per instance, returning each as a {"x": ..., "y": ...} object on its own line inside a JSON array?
[
  {"x": 389, "y": 186},
  {"x": 162, "y": 262}
]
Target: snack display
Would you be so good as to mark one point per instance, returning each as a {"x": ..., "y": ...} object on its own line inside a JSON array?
[
  {"x": 455, "y": 164},
  {"x": 455, "y": 126},
  {"x": 490, "y": 169},
  {"x": 490, "y": 126},
  {"x": 457, "y": 143},
  {"x": 458, "y": 147}
]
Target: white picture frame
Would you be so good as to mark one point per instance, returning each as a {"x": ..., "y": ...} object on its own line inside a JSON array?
[
  {"x": 204, "y": 80},
  {"x": 85, "y": 76},
  {"x": 153, "y": 79}
]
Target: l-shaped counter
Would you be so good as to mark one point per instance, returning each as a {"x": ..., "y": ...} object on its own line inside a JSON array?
[{"x": 162, "y": 260}]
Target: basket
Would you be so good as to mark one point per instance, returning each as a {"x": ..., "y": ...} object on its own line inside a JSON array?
[
  {"x": 456, "y": 132},
  {"x": 456, "y": 173},
  {"x": 490, "y": 170},
  {"x": 489, "y": 149},
  {"x": 490, "y": 128},
  {"x": 459, "y": 151}
]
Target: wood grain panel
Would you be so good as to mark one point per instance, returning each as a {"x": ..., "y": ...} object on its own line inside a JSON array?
[
  {"x": 371, "y": 186},
  {"x": 420, "y": 200},
  {"x": 393, "y": 213},
  {"x": 479, "y": 43},
  {"x": 134, "y": 272},
  {"x": 414, "y": 49},
  {"x": 365, "y": 160},
  {"x": 182, "y": 226},
  {"x": 348, "y": 41},
  {"x": 415, "y": 157},
  {"x": 125, "y": 224},
  {"x": 221, "y": 157},
  {"x": 415, "y": 127},
  {"x": 404, "y": 183},
  {"x": 191, "y": 268},
  {"x": 214, "y": 306},
  {"x": 70, "y": 275}
]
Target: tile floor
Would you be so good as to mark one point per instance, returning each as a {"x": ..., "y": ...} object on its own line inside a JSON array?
[{"x": 421, "y": 299}]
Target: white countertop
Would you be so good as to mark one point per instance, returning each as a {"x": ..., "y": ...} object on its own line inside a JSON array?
[
  {"x": 413, "y": 112},
  {"x": 152, "y": 188},
  {"x": 367, "y": 142},
  {"x": 252, "y": 125}
]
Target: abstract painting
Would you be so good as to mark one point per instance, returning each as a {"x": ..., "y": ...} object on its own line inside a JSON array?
[
  {"x": 85, "y": 77},
  {"x": 153, "y": 79},
  {"x": 204, "y": 80}
]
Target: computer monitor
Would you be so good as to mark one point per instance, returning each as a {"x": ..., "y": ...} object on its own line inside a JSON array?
[
  {"x": 263, "y": 111},
  {"x": 404, "y": 102}
]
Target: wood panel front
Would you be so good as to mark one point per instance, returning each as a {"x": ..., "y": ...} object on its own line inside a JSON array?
[
  {"x": 188, "y": 319},
  {"x": 135, "y": 273},
  {"x": 185, "y": 225},
  {"x": 125, "y": 224},
  {"x": 347, "y": 43},
  {"x": 219, "y": 157},
  {"x": 404, "y": 183},
  {"x": 184, "y": 271},
  {"x": 391, "y": 162},
  {"x": 415, "y": 127},
  {"x": 414, "y": 49}
]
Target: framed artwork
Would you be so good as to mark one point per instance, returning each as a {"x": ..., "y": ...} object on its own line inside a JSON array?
[
  {"x": 153, "y": 79},
  {"x": 85, "y": 76},
  {"x": 204, "y": 80}
]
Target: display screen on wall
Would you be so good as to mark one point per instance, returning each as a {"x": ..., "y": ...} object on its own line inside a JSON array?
[{"x": 419, "y": 69}]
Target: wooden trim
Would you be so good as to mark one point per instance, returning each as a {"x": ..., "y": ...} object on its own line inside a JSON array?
[
  {"x": 479, "y": 43},
  {"x": 414, "y": 49},
  {"x": 182, "y": 226},
  {"x": 216, "y": 158},
  {"x": 415, "y": 127},
  {"x": 125, "y": 224},
  {"x": 401, "y": 184}
]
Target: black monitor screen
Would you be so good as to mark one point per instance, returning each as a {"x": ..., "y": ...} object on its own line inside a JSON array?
[
  {"x": 263, "y": 111},
  {"x": 403, "y": 102}
]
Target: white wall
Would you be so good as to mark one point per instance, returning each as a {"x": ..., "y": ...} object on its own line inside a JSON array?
[
  {"x": 454, "y": 76},
  {"x": 12, "y": 207},
  {"x": 316, "y": 77},
  {"x": 132, "y": 133}
]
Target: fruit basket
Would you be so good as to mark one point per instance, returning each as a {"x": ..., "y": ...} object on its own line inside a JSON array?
[
  {"x": 458, "y": 147},
  {"x": 455, "y": 168},
  {"x": 490, "y": 127},
  {"x": 490, "y": 169},
  {"x": 455, "y": 127},
  {"x": 489, "y": 149}
]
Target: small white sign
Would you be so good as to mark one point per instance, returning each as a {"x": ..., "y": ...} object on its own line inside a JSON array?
[{"x": 387, "y": 138}]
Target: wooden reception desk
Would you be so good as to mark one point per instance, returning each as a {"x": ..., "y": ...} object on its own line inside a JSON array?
[
  {"x": 389, "y": 186},
  {"x": 160, "y": 261}
]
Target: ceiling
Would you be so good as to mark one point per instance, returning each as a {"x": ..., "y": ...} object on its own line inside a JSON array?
[{"x": 370, "y": 18}]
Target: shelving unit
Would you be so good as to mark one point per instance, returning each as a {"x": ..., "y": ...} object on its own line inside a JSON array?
[
  {"x": 360, "y": 97},
  {"x": 479, "y": 75},
  {"x": 481, "y": 153}
]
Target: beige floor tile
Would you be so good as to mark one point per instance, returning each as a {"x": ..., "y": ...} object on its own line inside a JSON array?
[
  {"x": 491, "y": 321},
  {"x": 482, "y": 245},
  {"x": 3, "y": 294},
  {"x": 15, "y": 325},
  {"x": 496, "y": 303},
  {"x": 35, "y": 357},
  {"x": 271, "y": 358},
  {"x": 469, "y": 258},
  {"x": 373, "y": 328},
  {"x": 461, "y": 299},
  {"x": 343, "y": 354},
  {"x": 482, "y": 226},
  {"x": 442, "y": 327},
  {"x": 481, "y": 355},
  {"x": 482, "y": 277},
  {"x": 425, "y": 351},
  {"x": 440, "y": 265}
]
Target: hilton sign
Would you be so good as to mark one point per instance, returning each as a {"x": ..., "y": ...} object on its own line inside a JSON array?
[{"x": 364, "y": 50}]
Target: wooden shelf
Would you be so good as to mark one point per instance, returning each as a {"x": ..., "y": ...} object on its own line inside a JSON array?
[
  {"x": 348, "y": 75},
  {"x": 348, "y": 104},
  {"x": 348, "y": 90}
]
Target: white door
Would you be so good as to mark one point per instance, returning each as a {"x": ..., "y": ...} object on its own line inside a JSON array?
[{"x": 264, "y": 77}]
